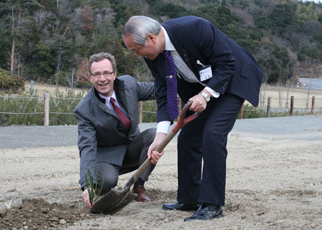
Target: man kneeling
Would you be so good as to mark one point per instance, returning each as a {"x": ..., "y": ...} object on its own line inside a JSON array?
[{"x": 109, "y": 139}]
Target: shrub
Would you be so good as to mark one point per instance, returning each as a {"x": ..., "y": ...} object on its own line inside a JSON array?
[
  {"x": 149, "y": 111},
  {"x": 8, "y": 82},
  {"x": 29, "y": 110}
]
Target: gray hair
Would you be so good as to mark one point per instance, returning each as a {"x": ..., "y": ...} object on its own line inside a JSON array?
[
  {"x": 99, "y": 57},
  {"x": 139, "y": 27}
]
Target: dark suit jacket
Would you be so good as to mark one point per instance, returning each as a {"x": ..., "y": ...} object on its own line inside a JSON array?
[
  {"x": 101, "y": 134},
  {"x": 234, "y": 69}
]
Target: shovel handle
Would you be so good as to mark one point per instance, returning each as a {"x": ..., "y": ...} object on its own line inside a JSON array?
[{"x": 181, "y": 122}]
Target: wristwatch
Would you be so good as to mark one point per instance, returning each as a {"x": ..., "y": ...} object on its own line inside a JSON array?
[{"x": 205, "y": 95}]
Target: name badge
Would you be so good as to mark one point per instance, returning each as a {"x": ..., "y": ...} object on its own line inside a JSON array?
[{"x": 205, "y": 73}]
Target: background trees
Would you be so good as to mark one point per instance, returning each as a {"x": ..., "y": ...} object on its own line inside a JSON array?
[{"x": 48, "y": 40}]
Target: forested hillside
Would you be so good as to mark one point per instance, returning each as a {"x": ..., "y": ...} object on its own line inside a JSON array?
[{"x": 51, "y": 40}]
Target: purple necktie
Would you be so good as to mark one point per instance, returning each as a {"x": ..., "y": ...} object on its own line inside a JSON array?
[
  {"x": 125, "y": 120},
  {"x": 171, "y": 76}
]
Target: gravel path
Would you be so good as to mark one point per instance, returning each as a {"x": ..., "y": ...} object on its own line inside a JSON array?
[{"x": 296, "y": 128}]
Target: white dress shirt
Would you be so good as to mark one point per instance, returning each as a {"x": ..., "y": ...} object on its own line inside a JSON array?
[
  {"x": 109, "y": 104},
  {"x": 182, "y": 71}
]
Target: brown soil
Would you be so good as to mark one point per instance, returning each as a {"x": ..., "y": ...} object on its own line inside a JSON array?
[
  {"x": 39, "y": 214},
  {"x": 271, "y": 184}
]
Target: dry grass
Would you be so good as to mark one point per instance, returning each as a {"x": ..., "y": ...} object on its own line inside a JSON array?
[{"x": 280, "y": 96}]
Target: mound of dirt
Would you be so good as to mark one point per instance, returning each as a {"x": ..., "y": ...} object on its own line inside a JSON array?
[{"x": 39, "y": 214}]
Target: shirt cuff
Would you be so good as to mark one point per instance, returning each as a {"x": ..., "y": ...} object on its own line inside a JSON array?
[
  {"x": 163, "y": 127},
  {"x": 212, "y": 92}
]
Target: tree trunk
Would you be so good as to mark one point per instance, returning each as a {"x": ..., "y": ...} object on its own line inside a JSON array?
[
  {"x": 12, "y": 64},
  {"x": 13, "y": 43}
]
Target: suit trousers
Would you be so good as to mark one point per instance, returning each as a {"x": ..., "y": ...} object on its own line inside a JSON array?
[
  {"x": 135, "y": 156},
  {"x": 203, "y": 141}
]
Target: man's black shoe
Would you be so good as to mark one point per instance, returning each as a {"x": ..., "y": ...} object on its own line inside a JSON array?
[
  {"x": 181, "y": 207},
  {"x": 203, "y": 213}
]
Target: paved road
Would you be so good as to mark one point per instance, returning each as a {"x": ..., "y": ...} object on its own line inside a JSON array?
[
  {"x": 312, "y": 83},
  {"x": 296, "y": 128}
]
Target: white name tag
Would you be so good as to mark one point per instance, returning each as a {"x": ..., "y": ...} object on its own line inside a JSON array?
[{"x": 205, "y": 73}]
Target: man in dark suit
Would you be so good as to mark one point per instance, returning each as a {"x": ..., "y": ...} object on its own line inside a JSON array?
[
  {"x": 109, "y": 138},
  {"x": 217, "y": 75}
]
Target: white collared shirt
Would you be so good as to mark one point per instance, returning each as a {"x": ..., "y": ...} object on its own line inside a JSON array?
[
  {"x": 109, "y": 104},
  {"x": 181, "y": 66},
  {"x": 183, "y": 71}
]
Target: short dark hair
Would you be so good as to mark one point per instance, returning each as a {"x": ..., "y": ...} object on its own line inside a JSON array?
[{"x": 99, "y": 57}]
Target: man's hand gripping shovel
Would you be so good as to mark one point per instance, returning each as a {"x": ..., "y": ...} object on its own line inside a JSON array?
[{"x": 115, "y": 200}]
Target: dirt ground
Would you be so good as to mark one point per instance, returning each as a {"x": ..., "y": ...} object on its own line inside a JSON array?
[{"x": 271, "y": 184}]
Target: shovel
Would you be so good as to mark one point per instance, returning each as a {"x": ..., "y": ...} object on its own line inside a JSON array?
[{"x": 115, "y": 200}]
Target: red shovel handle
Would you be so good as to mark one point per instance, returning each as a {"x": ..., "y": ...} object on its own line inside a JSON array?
[{"x": 181, "y": 122}]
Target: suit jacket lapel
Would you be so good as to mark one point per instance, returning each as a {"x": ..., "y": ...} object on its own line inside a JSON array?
[
  {"x": 184, "y": 55},
  {"x": 101, "y": 103},
  {"x": 121, "y": 95},
  {"x": 178, "y": 44}
]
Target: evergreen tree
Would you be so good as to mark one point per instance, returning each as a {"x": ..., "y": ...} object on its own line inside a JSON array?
[
  {"x": 119, "y": 57},
  {"x": 131, "y": 64},
  {"x": 282, "y": 15},
  {"x": 43, "y": 59}
]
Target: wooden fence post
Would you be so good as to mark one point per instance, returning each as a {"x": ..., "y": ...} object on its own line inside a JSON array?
[
  {"x": 140, "y": 104},
  {"x": 292, "y": 106},
  {"x": 268, "y": 107},
  {"x": 241, "y": 112},
  {"x": 46, "y": 109},
  {"x": 313, "y": 102}
]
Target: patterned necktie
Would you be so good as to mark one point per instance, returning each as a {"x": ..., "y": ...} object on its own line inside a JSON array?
[
  {"x": 125, "y": 120},
  {"x": 171, "y": 76}
]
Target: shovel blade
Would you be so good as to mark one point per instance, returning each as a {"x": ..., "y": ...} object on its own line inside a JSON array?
[
  {"x": 113, "y": 201},
  {"x": 127, "y": 199}
]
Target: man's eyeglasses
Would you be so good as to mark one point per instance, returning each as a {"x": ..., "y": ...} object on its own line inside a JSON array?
[{"x": 105, "y": 74}]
